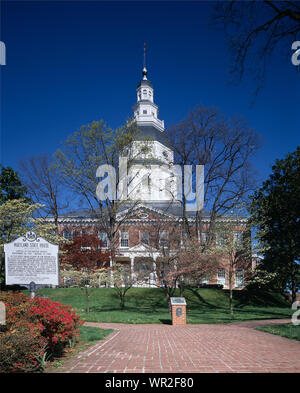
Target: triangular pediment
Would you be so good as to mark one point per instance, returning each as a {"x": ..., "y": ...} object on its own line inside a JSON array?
[
  {"x": 141, "y": 247},
  {"x": 141, "y": 211}
]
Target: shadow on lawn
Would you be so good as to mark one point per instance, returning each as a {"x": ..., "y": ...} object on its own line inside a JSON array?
[
  {"x": 166, "y": 321},
  {"x": 200, "y": 298}
]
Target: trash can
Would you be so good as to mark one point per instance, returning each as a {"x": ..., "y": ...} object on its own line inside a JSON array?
[{"x": 178, "y": 309}]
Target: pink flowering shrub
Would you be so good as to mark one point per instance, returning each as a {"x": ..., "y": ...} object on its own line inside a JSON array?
[{"x": 34, "y": 327}]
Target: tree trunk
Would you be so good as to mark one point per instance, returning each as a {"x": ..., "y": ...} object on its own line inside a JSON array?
[
  {"x": 181, "y": 289},
  {"x": 230, "y": 293},
  {"x": 122, "y": 301},
  {"x": 169, "y": 301},
  {"x": 87, "y": 300},
  {"x": 293, "y": 283}
]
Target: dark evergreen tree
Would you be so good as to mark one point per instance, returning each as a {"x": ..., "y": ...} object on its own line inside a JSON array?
[
  {"x": 275, "y": 211},
  {"x": 10, "y": 185}
]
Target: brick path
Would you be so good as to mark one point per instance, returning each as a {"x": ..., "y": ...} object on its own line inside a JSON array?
[{"x": 222, "y": 348}]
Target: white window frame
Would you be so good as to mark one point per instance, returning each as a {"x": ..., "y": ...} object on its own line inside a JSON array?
[
  {"x": 68, "y": 237},
  {"x": 221, "y": 280},
  {"x": 239, "y": 281},
  {"x": 204, "y": 235},
  {"x": 220, "y": 240},
  {"x": 237, "y": 237},
  {"x": 165, "y": 238},
  {"x": 123, "y": 239},
  {"x": 141, "y": 233},
  {"x": 105, "y": 240}
]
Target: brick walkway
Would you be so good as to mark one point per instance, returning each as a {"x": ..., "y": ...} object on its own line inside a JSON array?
[{"x": 184, "y": 349}]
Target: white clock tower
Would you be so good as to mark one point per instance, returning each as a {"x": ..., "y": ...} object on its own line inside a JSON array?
[{"x": 151, "y": 179}]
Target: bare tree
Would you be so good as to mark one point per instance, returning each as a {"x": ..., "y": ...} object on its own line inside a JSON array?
[
  {"x": 44, "y": 185},
  {"x": 224, "y": 147},
  {"x": 255, "y": 31}
]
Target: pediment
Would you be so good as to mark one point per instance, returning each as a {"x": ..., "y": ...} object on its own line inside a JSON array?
[
  {"x": 141, "y": 211},
  {"x": 141, "y": 247}
]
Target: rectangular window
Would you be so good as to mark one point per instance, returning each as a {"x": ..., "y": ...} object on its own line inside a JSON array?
[
  {"x": 221, "y": 278},
  {"x": 239, "y": 278},
  {"x": 124, "y": 238},
  {"x": 204, "y": 237},
  {"x": 67, "y": 234},
  {"x": 103, "y": 238},
  {"x": 144, "y": 237},
  {"x": 237, "y": 238},
  {"x": 163, "y": 238},
  {"x": 220, "y": 240}
]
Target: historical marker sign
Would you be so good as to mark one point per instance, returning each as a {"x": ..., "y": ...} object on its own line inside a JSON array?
[
  {"x": 31, "y": 259},
  {"x": 178, "y": 301}
]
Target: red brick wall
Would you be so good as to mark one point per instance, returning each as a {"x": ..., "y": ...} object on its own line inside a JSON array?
[{"x": 178, "y": 320}]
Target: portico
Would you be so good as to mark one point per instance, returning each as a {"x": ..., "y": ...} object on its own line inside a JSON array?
[{"x": 141, "y": 258}]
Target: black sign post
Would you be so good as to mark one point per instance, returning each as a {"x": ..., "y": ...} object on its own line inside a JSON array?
[{"x": 32, "y": 288}]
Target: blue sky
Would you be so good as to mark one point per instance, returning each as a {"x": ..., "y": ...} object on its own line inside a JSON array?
[{"x": 69, "y": 63}]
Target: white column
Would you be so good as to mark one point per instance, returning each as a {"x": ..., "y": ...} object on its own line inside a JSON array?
[
  {"x": 132, "y": 266},
  {"x": 154, "y": 272},
  {"x": 111, "y": 277}
]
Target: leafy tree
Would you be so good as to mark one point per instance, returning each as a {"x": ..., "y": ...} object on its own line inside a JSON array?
[
  {"x": 195, "y": 263},
  {"x": 85, "y": 251},
  {"x": 44, "y": 185},
  {"x": 10, "y": 185},
  {"x": 82, "y": 261},
  {"x": 275, "y": 209},
  {"x": 233, "y": 246},
  {"x": 122, "y": 279},
  {"x": 85, "y": 278},
  {"x": 188, "y": 265},
  {"x": 77, "y": 162}
]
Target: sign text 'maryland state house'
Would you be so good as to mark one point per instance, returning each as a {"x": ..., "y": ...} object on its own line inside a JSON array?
[{"x": 31, "y": 261}]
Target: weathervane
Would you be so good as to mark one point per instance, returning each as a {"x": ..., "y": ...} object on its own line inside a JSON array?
[{"x": 144, "y": 68}]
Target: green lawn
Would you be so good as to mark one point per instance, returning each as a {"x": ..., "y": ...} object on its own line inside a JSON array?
[
  {"x": 90, "y": 334},
  {"x": 287, "y": 330},
  {"x": 149, "y": 305}
]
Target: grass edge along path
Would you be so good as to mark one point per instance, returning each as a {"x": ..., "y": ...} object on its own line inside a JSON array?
[
  {"x": 89, "y": 335},
  {"x": 286, "y": 330}
]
